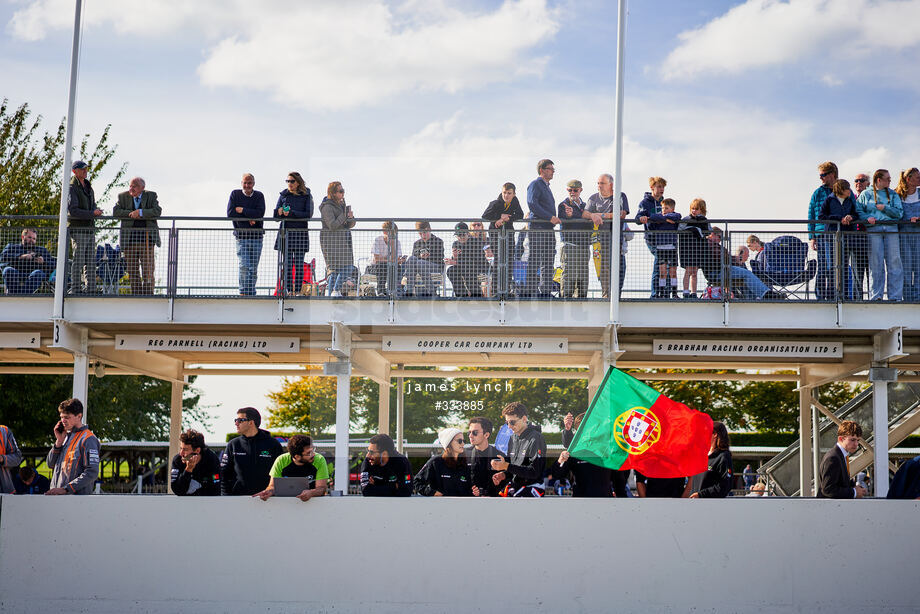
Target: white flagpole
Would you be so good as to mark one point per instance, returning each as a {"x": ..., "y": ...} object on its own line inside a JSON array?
[
  {"x": 61, "y": 275},
  {"x": 614, "y": 282}
]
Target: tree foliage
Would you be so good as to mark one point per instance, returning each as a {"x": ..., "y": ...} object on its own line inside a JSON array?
[
  {"x": 771, "y": 407},
  {"x": 120, "y": 407},
  {"x": 308, "y": 403},
  {"x": 31, "y": 161}
]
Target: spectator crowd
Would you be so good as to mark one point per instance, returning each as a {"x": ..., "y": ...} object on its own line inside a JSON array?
[{"x": 866, "y": 239}]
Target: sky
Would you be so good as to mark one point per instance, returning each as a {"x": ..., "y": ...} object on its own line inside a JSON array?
[{"x": 425, "y": 107}]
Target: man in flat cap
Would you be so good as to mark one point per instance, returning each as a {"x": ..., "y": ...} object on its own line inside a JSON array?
[{"x": 81, "y": 215}]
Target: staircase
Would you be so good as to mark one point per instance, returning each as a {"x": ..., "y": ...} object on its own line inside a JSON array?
[{"x": 903, "y": 420}]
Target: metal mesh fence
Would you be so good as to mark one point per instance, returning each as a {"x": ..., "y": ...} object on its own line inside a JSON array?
[{"x": 719, "y": 260}]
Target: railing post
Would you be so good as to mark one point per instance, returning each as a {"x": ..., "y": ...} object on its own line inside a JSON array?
[{"x": 172, "y": 261}]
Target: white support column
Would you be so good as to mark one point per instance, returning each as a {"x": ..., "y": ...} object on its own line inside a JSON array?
[
  {"x": 806, "y": 475},
  {"x": 342, "y": 416},
  {"x": 816, "y": 442},
  {"x": 341, "y": 348},
  {"x": 81, "y": 382},
  {"x": 400, "y": 412},
  {"x": 175, "y": 419},
  {"x": 880, "y": 437},
  {"x": 383, "y": 410}
]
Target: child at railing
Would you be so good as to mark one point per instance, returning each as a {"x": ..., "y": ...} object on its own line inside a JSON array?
[
  {"x": 691, "y": 240},
  {"x": 663, "y": 228}
]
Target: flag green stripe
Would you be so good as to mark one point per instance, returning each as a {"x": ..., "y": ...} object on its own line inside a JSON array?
[{"x": 594, "y": 441}]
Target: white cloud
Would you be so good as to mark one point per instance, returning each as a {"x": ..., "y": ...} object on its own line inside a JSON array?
[
  {"x": 319, "y": 55},
  {"x": 762, "y": 33},
  {"x": 831, "y": 81},
  {"x": 349, "y": 55}
]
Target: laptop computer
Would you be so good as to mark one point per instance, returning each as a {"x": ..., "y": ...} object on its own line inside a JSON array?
[{"x": 290, "y": 487}]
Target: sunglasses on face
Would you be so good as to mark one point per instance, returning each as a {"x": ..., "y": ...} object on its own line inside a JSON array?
[
  {"x": 474, "y": 433},
  {"x": 511, "y": 423},
  {"x": 861, "y": 181},
  {"x": 291, "y": 180},
  {"x": 823, "y": 175},
  {"x": 240, "y": 420}
]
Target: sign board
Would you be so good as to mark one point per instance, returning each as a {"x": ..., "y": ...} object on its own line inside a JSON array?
[
  {"x": 744, "y": 348},
  {"x": 468, "y": 343},
  {"x": 20, "y": 340},
  {"x": 207, "y": 343}
]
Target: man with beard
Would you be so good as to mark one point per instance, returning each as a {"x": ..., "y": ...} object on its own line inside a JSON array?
[{"x": 385, "y": 472}]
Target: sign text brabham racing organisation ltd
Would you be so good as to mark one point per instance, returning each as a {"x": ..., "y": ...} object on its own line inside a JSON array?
[
  {"x": 463, "y": 343},
  {"x": 747, "y": 348},
  {"x": 205, "y": 343}
]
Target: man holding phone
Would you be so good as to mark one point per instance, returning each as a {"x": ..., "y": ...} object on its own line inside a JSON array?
[
  {"x": 526, "y": 455},
  {"x": 195, "y": 469},
  {"x": 74, "y": 458}
]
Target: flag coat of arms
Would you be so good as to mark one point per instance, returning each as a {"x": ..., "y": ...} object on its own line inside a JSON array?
[{"x": 631, "y": 426}]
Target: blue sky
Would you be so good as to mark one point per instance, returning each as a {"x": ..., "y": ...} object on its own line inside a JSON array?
[{"x": 424, "y": 107}]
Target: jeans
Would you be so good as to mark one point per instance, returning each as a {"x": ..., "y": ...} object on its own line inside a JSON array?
[
  {"x": 856, "y": 247},
  {"x": 423, "y": 269},
  {"x": 824, "y": 280},
  {"x": 338, "y": 278},
  {"x": 17, "y": 282},
  {"x": 540, "y": 263},
  {"x": 910, "y": 260},
  {"x": 885, "y": 253},
  {"x": 248, "y": 251},
  {"x": 749, "y": 285}
]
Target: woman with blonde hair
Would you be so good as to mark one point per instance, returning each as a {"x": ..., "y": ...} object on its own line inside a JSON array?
[
  {"x": 908, "y": 190},
  {"x": 294, "y": 208},
  {"x": 880, "y": 207}
]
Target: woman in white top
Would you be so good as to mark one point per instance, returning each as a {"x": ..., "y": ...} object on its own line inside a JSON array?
[{"x": 909, "y": 190}]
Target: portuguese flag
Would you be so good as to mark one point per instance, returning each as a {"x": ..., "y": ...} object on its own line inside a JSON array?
[{"x": 631, "y": 426}]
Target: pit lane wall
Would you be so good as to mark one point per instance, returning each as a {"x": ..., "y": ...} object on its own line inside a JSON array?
[{"x": 166, "y": 554}]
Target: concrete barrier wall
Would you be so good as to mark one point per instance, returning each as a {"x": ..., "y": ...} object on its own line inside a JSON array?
[{"x": 166, "y": 554}]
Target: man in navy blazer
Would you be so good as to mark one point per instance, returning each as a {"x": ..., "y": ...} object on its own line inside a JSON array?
[
  {"x": 834, "y": 481},
  {"x": 543, "y": 218}
]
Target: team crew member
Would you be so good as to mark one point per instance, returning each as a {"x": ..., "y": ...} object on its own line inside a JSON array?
[
  {"x": 385, "y": 472},
  {"x": 590, "y": 480},
  {"x": 481, "y": 454},
  {"x": 717, "y": 480},
  {"x": 195, "y": 469},
  {"x": 526, "y": 455},
  {"x": 245, "y": 464},
  {"x": 300, "y": 461},
  {"x": 74, "y": 457},
  {"x": 10, "y": 457},
  {"x": 676, "y": 488},
  {"x": 447, "y": 475}
]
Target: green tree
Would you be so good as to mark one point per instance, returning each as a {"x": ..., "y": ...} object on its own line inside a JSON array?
[
  {"x": 771, "y": 407},
  {"x": 308, "y": 403},
  {"x": 120, "y": 407},
  {"x": 31, "y": 161}
]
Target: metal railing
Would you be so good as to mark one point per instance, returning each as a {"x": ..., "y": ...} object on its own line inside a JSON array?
[{"x": 743, "y": 260}]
